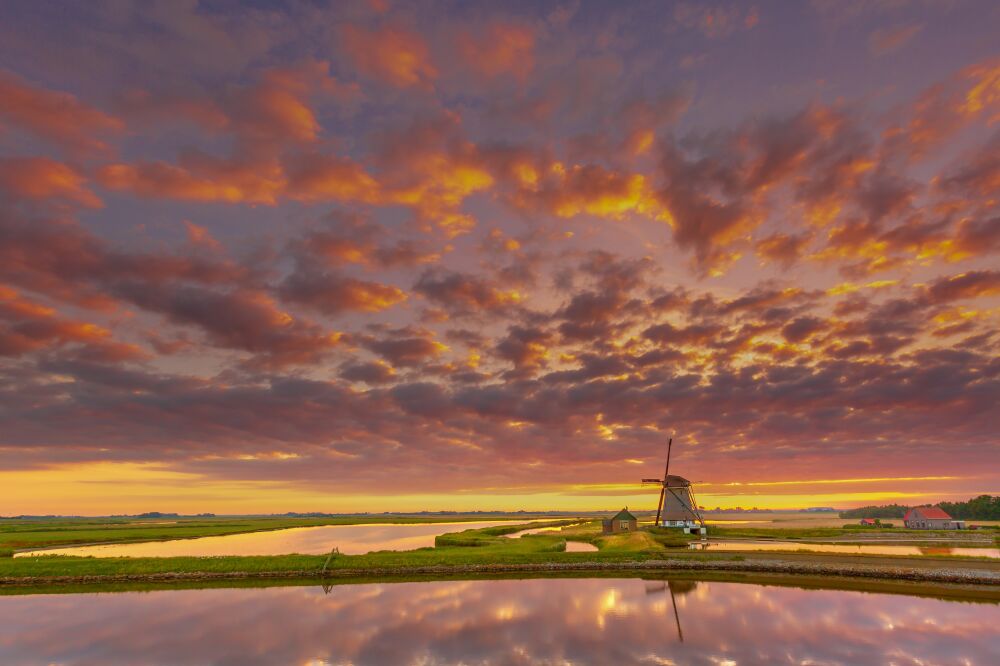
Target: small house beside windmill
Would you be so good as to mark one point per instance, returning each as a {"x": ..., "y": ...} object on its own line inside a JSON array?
[
  {"x": 623, "y": 521},
  {"x": 677, "y": 506}
]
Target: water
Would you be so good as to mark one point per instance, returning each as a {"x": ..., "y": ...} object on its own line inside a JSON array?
[
  {"x": 571, "y": 546},
  {"x": 504, "y": 622},
  {"x": 858, "y": 549},
  {"x": 350, "y": 539}
]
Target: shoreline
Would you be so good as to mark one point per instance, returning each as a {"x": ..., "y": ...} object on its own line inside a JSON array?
[{"x": 956, "y": 575}]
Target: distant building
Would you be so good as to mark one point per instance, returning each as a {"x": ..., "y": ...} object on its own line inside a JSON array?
[
  {"x": 623, "y": 521},
  {"x": 931, "y": 518},
  {"x": 868, "y": 522}
]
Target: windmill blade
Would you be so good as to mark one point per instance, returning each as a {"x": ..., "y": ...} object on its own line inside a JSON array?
[
  {"x": 692, "y": 510},
  {"x": 677, "y": 615},
  {"x": 656, "y": 481},
  {"x": 666, "y": 471}
]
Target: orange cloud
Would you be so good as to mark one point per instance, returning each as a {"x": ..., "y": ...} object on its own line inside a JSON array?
[
  {"x": 276, "y": 107},
  {"x": 198, "y": 178},
  {"x": 56, "y": 116},
  {"x": 42, "y": 179},
  {"x": 27, "y": 326},
  {"x": 328, "y": 178},
  {"x": 590, "y": 189},
  {"x": 391, "y": 54}
]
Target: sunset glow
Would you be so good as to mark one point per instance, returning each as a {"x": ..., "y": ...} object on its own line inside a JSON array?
[{"x": 385, "y": 256}]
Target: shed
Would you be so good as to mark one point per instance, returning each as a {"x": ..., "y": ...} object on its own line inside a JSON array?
[{"x": 623, "y": 521}]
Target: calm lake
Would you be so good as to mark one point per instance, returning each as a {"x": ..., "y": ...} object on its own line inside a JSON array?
[
  {"x": 350, "y": 539},
  {"x": 539, "y": 621}
]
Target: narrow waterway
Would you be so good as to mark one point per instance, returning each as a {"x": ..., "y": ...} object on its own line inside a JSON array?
[{"x": 348, "y": 539}]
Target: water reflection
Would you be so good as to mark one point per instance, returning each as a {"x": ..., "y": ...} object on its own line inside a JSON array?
[
  {"x": 855, "y": 549},
  {"x": 349, "y": 539},
  {"x": 571, "y": 546},
  {"x": 579, "y": 621}
]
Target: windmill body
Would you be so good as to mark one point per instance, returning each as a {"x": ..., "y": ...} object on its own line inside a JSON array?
[{"x": 677, "y": 506}]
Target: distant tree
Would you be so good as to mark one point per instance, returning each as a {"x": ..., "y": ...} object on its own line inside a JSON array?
[
  {"x": 984, "y": 507},
  {"x": 885, "y": 511}
]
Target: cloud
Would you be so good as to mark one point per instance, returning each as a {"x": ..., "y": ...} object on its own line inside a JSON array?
[
  {"x": 499, "y": 49},
  {"x": 405, "y": 347},
  {"x": 198, "y": 178},
  {"x": 239, "y": 319},
  {"x": 55, "y": 116},
  {"x": 973, "y": 284},
  {"x": 715, "y": 21},
  {"x": 333, "y": 294},
  {"x": 392, "y": 54},
  {"x": 42, "y": 179},
  {"x": 887, "y": 40},
  {"x": 29, "y": 326},
  {"x": 463, "y": 294},
  {"x": 371, "y": 373}
]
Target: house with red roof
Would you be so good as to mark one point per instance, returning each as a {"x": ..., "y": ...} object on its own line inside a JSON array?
[{"x": 931, "y": 518}]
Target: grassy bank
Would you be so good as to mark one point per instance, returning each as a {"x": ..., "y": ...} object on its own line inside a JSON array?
[
  {"x": 984, "y": 538},
  {"x": 970, "y": 593}
]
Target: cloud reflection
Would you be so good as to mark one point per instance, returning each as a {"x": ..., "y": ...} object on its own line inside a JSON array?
[{"x": 580, "y": 621}]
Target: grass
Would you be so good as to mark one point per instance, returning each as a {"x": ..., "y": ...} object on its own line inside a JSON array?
[
  {"x": 458, "y": 553},
  {"x": 945, "y": 537},
  {"x": 18, "y": 534},
  {"x": 489, "y": 549}
]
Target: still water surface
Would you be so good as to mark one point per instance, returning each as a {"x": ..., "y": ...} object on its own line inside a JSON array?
[
  {"x": 859, "y": 549},
  {"x": 350, "y": 539},
  {"x": 571, "y": 546},
  {"x": 503, "y": 622}
]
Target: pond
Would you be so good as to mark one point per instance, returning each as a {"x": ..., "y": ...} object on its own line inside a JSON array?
[
  {"x": 571, "y": 546},
  {"x": 854, "y": 549},
  {"x": 535, "y": 621},
  {"x": 350, "y": 539}
]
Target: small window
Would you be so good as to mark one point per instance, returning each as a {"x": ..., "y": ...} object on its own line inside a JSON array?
[{"x": 623, "y": 524}]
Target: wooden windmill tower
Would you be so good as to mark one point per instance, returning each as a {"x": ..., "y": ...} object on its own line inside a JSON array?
[{"x": 677, "y": 506}]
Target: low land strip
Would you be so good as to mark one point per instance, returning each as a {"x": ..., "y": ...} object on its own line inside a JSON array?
[{"x": 488, "y": 552}]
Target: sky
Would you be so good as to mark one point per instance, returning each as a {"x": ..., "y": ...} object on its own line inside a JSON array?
[{"x": 389, "y": 256}]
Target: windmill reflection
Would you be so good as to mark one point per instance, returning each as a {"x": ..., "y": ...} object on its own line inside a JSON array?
[{"x": 676, "y": 588}]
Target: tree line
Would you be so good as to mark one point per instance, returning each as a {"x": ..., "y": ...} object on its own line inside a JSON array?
[{"x": 984, "y": 507}]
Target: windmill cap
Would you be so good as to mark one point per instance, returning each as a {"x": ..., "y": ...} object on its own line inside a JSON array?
[{"x": 674, "y": 480}]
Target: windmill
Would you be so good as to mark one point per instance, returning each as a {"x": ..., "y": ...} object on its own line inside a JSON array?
[{"x": 677, "y": 506}]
